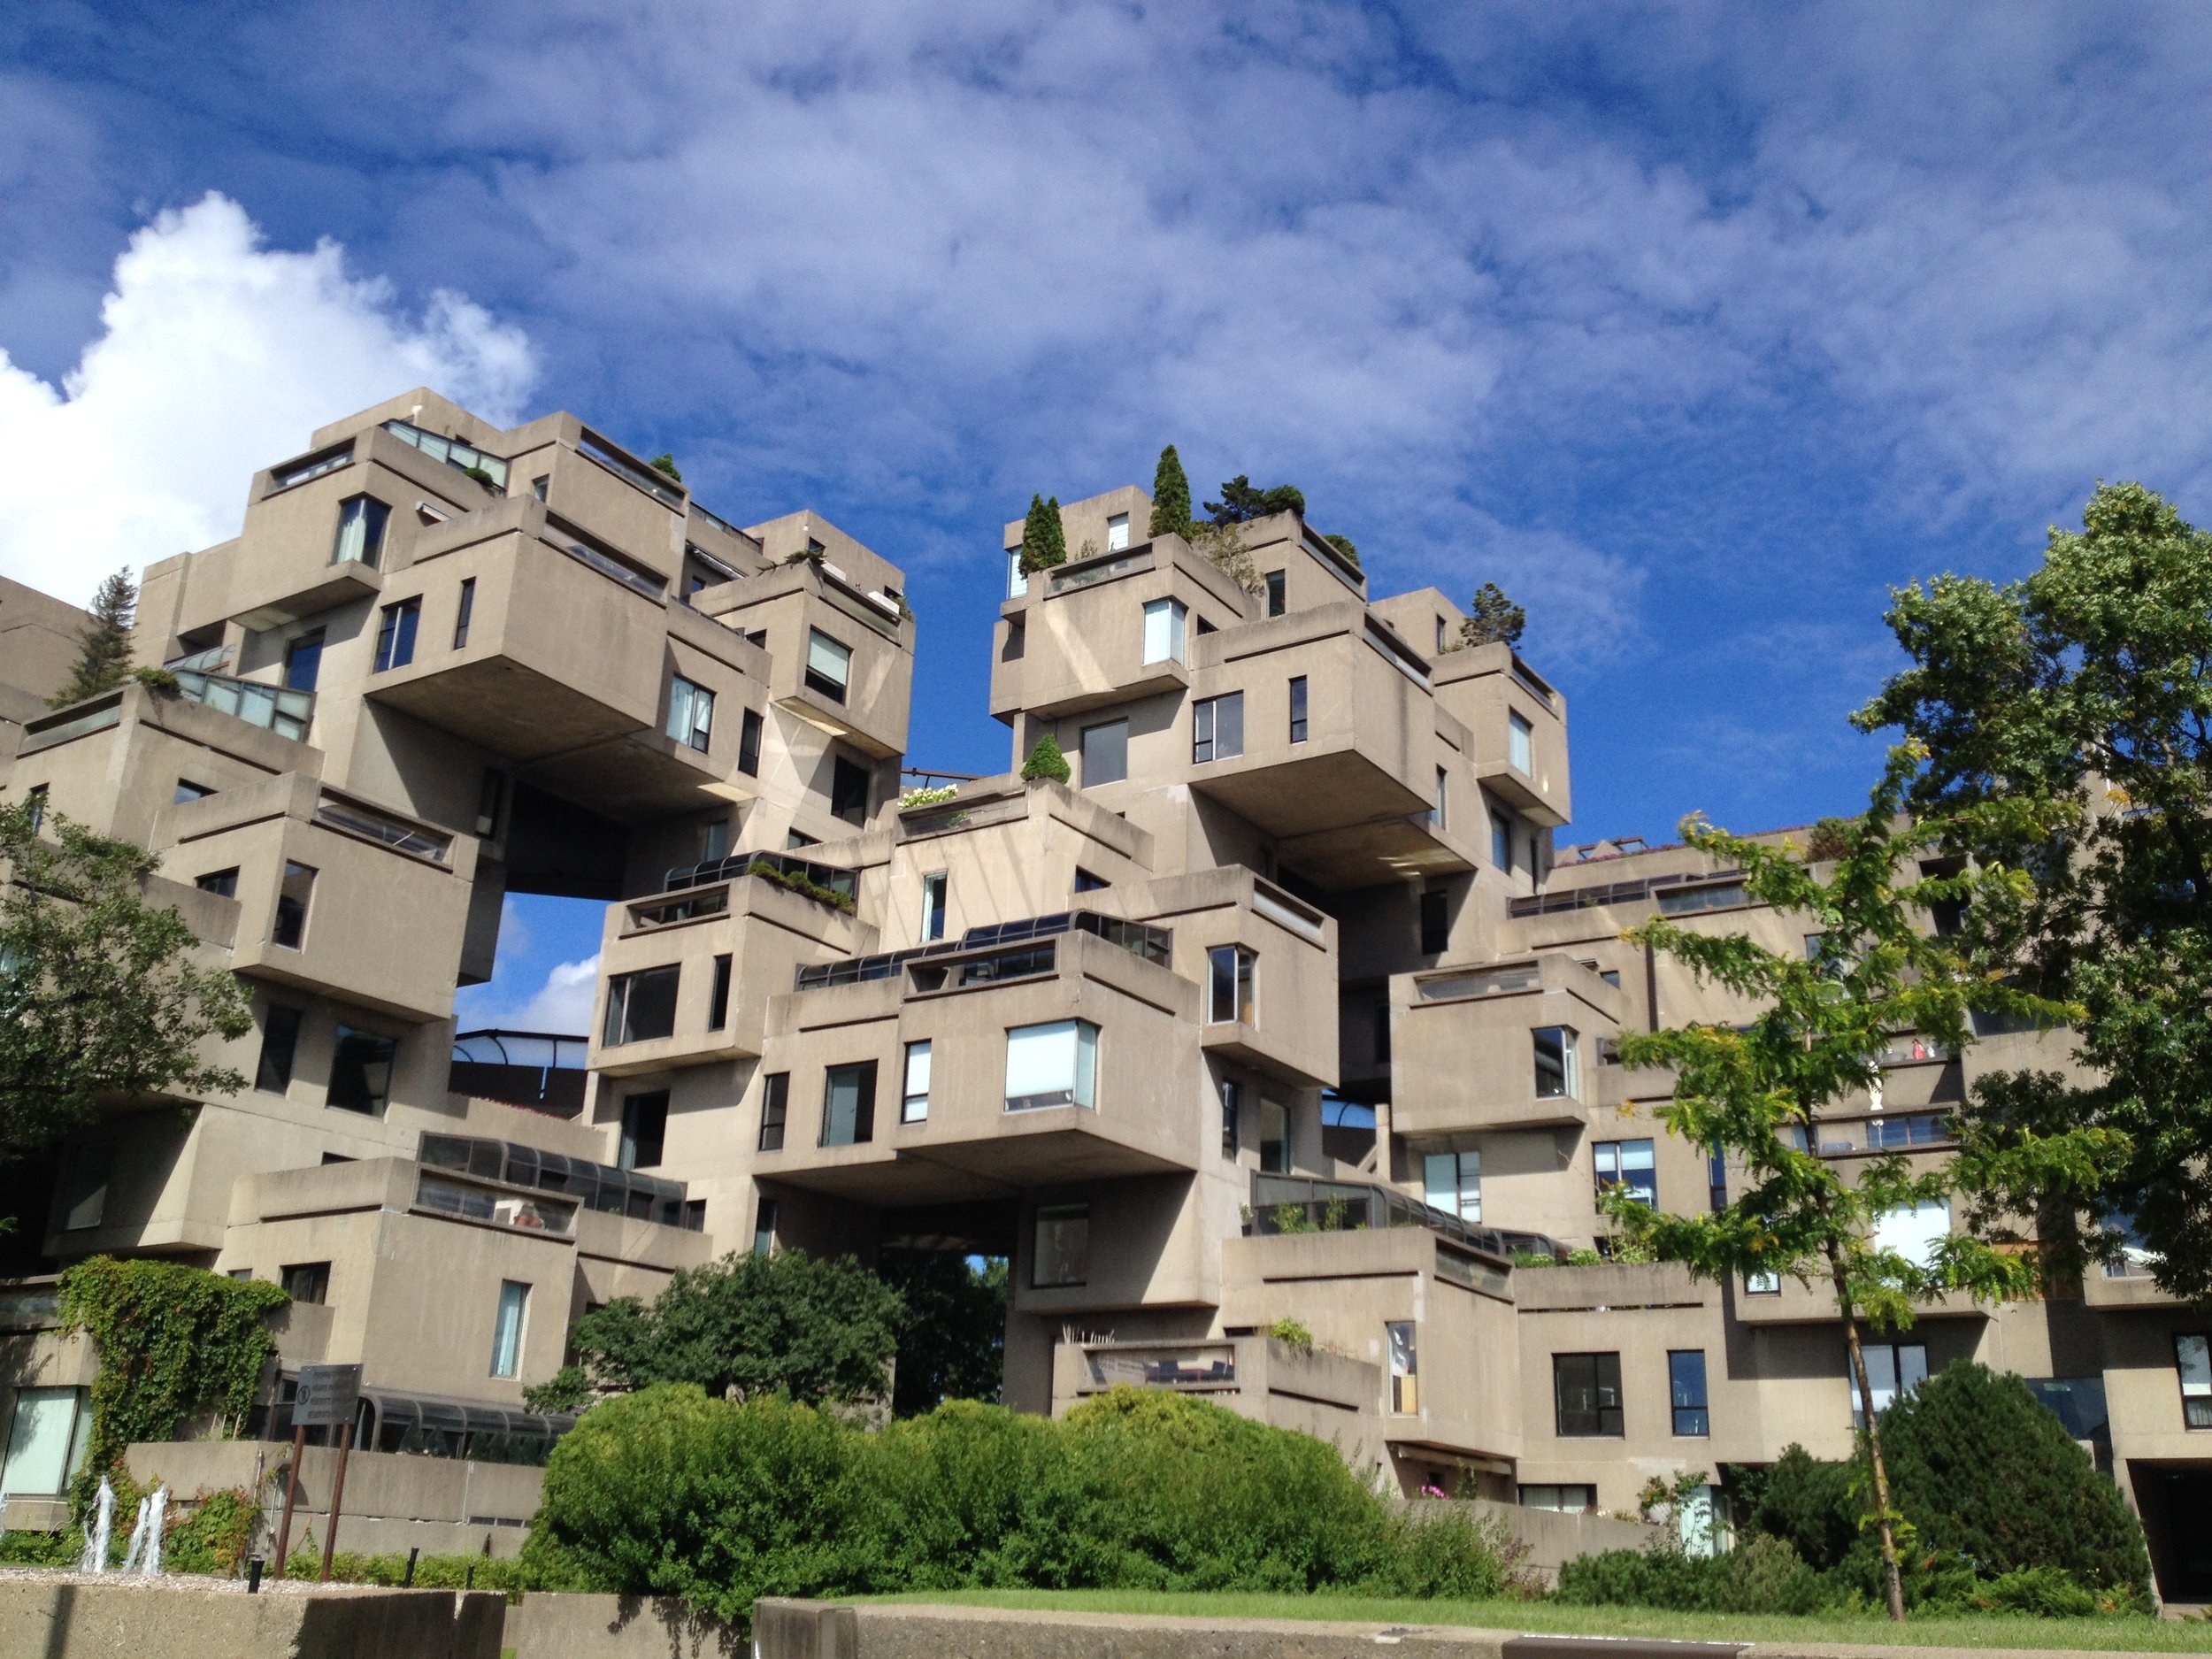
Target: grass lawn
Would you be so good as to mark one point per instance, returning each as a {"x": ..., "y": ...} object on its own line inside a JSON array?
[{"x": 2142, "y": 1635}]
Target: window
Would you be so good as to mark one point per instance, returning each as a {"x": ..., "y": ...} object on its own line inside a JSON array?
[
  {"x": 1436, "y": 922},
  {"x": 714, "y": 840},
  {"x": 1452, "y": 1182},
  {"x": 1063, "y": 1252},
  {"x": 1501, "y": 841},
  {"x": 514, "y": 1305},
  {"x": 1627, "y": 1164},
  {"x": 1440, "y": 810},
  {"x": 775, "y": 1100},
  {"x": 279, "y": 1040},
  {"x": 361, "y": 520},
  {"x": 395, "y": 639},
  {"x": 1218, "y": 729},
  {"x": 1017, "y": 579},
  {"x": 1105, "y": 753},
  {"x": 829, "y": 665},
  {"x": 304, "y": 660},
  {"x": 1763, "y": 1284},
  {"x": 1915, "y": 1231},
  {"x": 306, "y": 1281},
  {"x": 84, "y": 1187},
  {"x": 1717, "y": 1176},
  {"x": 848, "y": 1104},
  {"x": 46, "y": 1441},
  {"x": 644, "y": 1130},
  {"x": 1405, "y": 1367},
  {"x": 640, "y": 1006},
  {"x": 1557, "y": 1073},
  {"x": 491, "y": 794},
  {"x": 1117, "y": 532},
  {"x": 293, "y": 897},
  {"x": 1230, "y": 973},
  {"x": 1298, "y": 709},
  {"x": 35, "y": 799},
  {"x": 1274, "y": 1138},
  {"x": 933, "y": 905},
  {"x": 848, "y": 791},
  {"x": 748, "y": 743},
  {"x": 1686, "y": 1390},
  {"x": 1231, "y": 1116},
  {"x": 718, "y": 1001},
  {"x": 1586, "y": 1393},
  {"x": 467, "y": 611},
  {"x": 1086, "y": 882},
  {"x": 690, "y": 712},
  {"x": 538, "y": 486},
  {"x": 2192, "y": 1359},
  {"x": 1564, "y": 1499},
  {"x": 1055, "y": 1065},
  {"x": 1164, "y": 626},
  {"x": 186, "y": 790},
  {"x": 1276, "y": 603},
  {"x": 765, "y": 1227},
  {"x": 1891, "y": 1369},
  {"x": 223, "y": 883},
  {"x": 1518, "y": 745},
  {"x": 361, "y": 1071},
  {"x": 914, "y": 1102},
  {"x": 793, "y": 840}
]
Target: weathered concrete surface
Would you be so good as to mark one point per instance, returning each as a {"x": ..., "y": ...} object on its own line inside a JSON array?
[
  {"x": 546, "y": 1625},
  {"x": 61, "y": 1617},
  {"x": 1554, "y": 1538}
]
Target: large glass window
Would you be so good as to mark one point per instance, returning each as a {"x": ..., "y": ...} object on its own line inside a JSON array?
[
  {"x": 644, "y": 1130},
  {"x": 306, "y": 1281},
  {"x": 1558, "y": 1076},
  {"x": 1685, "y": 1391},
  {"x": 2193, "y": 1358},
  {"x": 1627, "y": 1164},
  {"x": 1218, "y": 729},
  {"x": 690, "y": 712},
  {"x": 1915, "y": 1231},
  {"x": 1165, "y": 621},
  {"x": 1231, "y": 973},
  {"x": 933, "y": 905},
  {"x": 1519, "y": 745},
  {"x": 1055, "y": 1065},
  {"x": 304, "y": 660},
  {"x": 1405, "y": 1367},
  {"x": 1105, "y": 753},
  {"x": 1061, "y": 1254},
  {"x": 507, "y": 1328},
  {"x": 46, "y": 1441},
  {"x": 1586, "y": 1393},
  {"x": 640, "y": 1006},
  {"x": 1891, "y": 1369},
  {"x": 914, "y": 1101},
  {"x": 829, "y": 665},
  {"x": 361, "y": 520},
  {"x": 395, "y": 635},
  {"x": 848, "y": 1104},
  {"x": 292, "y": 898},
  {"x": 1452, "y": 1182},
  {"x": 361, "y": 1071},
  {"x": 1298, "y": 709},
  {"x": 775, "y": 1102},
  {"x": 748, "y": 743},
  {"x": 84, "y": 1187},
  {"x": 848, "y": 791},
  {"x": 280, "y": 1040}
]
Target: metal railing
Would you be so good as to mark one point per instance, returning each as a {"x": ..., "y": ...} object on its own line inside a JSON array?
[
  {"x": 1203, "y": 1366},
  {"x": 827, "y": 877},
  {"x": 1138, "y": 939},
  {"x": 1615, "y": 892},
  {"x": 274, "y": 708},
  {"x": 394, "y": 832},
  {"x": 1304, "y": 1203},
  {"x": 463, "y": 458}
]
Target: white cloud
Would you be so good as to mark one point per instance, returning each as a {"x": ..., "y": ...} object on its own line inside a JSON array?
[
  {"x": 217, "y": 357},
  {"x": 563, "y": 1003}
]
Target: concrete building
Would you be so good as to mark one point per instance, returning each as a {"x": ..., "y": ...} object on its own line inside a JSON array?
[{"x": 1288, "y": 1005}]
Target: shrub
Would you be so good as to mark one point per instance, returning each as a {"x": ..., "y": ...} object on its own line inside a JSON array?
[
  {"x": 1761, "y": 1575},
  {"x": 1044, "y": 538},
  {"x": 1810, "y": 1505},
  {"x": 213, "y": 1539},
  {"x": 1046, "y": 761},
  {"x": 1451, "y": 1552},
  {"x": 1290, "y": 1332},
  {"x": 1345, "y": 545}
]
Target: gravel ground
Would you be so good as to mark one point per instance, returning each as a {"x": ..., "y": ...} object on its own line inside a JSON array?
[{"x": 180, "y": 1581}]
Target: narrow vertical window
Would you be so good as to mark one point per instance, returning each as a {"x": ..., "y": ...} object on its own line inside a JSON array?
[
  {"x": 84, "y": 1187},
  {"x": 2192, "y": 1359},
  {"x": 718, "y": 1001},
  {"x": 1501, "y": 841},
  {"x": 539, "y": 485},
  {"x": 1717, "y": 1176},
  {"x": 690, "y": 712},
  {"x": 1276, "y": 604},
  {"x": 1165, "y": 624},
  {"x": 467, "y": 611},
  {"x": 914, "y": 1100},
  {"x": 280, "y": 1040},
  {"x": 644, "y": 1130},
  {"x": 395, "y": 638},
  {"x": 748, "y": 743},
  {"x": 1231, "y": 1116},
  {"x": 775, "y": 1100},
  {"x": 848, "y": 1104},
  {"x": 1298, "y": 710},
  {"x": 1452, "y": 1182},
  {"x": 1231, "y": 977},
  {"x": 848, "y": 791},
  {"x": 1436, "y": 922},
  {"x": 1117, "y": 532},
  {"x": 1557, "y": 1074},
  {"x": 35, "y": 799},
  {"x": 361, "y": 521},
  {"x": 765, "y": 1227},
  {"x": 1686, "y": 1389},
  {"x": 1440, "y": 811},
  {"x": 514, "y": 1305},
  {"x": 829, "y": 665},
  {"x": 1519, "y": 744},
  {"x": 293, "y": 899},
  {"x": 1405, "y": 1367},
  {"x": 304, "y": 660},
  {"x": 934, "y": 906},
  {"x": 1061, "y": 1252}
]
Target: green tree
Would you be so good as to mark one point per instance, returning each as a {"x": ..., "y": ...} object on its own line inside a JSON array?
[
  {"x": 103, "y": 657},
  {"x": 1492, "y": 618},
  {"x": 1171, "y": 496},
  {"x": 785, "y": 1323},
  {"x": 666, "y": 463},
  {"x": 1046, "y": 761},
  {"x": 952, "y": 1347},
  {"x": 1345, "y": 545},
  {"x": 1825, "y": 1022},
  {"x": 1241, "y": 501},
  {"x": 100, "y": 998},
  {"x": 2085, "y": 690},
  {"x": 1044, "y": 538}
]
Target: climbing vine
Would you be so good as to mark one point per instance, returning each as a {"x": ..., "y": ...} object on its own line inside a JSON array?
[{"x": 173, "y": 1341}]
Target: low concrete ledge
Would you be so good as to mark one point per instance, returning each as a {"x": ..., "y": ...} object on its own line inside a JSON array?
[{"x": 72, "y": 1616}]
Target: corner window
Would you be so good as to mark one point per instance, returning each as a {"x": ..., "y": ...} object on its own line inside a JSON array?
[
  {"x": 848, "y": 791},
  {"x": 1452, "y": 1182},
  {"x": 1230, "y": 971},
  {"x": 1105, "y": 753},
  {"x": 280, "y": 1040},
  {"x": 1586, "y": 1393},
  {"x": 914, "y": 1101},
  {"x": 1685, "y": 1391},
  {"x": 1117, "y": 532},
  {"x": 1405, "y": 1367},
  {"x": 1054, "y": 1064},
  {"x": 1274, "y": 1138},
  {"x": 1061, "y": 1254},
  {"x": 464, "y": 613},
  {"x": 46, "y": 1441},
  {"x": 1231, "y": 1116},
  {"x": 719, "y": 1001},
  {"x": 765, "y": 1227},
  {"x": 829, "y": 665},
  {"x": 690, "y": 712},
  {"x": 1627, "y": 1164},
  {"x": 306, "y": 1281},
  {"x": 848, "y": 1104},
  {"x": 1017, "y": 579},
  {"x": 84, "y": 1187},
  {"x": 934, "y": 906},
  {"x": 640, "y": 1006},
  {"x": 1557, "y": 1071},
  {"x": 1519, "y": 745},
  {"x": 1276, "y": 603},
  {"x": 2193, "y": 1358},
  {"x": 1298, "y": 710},
  {"x": 748, "y": 743},
  {"x": 360, "y": 541},
  {"x": 507, "y": 1328},
  {"x": 644, "y": 1130},
  {"x": 775, "y": 1102},
  {"x": 222, "y": 883},
  {"x": 1165, "y": 621},
  {"x": 1892, "y": 1367},
  {"x": 361, "y": 1071},
  {"x": 303, "y": 660},
  {"x": 1218, "y": 729},
  {"x": 395, "y": 635},
  {"x": 294, "y": 896}
]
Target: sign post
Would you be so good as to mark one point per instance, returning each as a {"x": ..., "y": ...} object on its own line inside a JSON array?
[{"x": 327, "y": 1397}]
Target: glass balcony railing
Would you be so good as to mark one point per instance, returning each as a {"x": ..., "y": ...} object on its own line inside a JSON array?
[
  {"x": 1140, "y": 939},
  {"x": 286, "y": 712},
  {"x": 596, "y": 1186},
  {"x": 1302, "y": 1204},
  {"x": 461, "y": 456},
  {"x": 1199, "y": 1366}
]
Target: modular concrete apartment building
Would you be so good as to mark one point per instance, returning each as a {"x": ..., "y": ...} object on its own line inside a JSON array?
[{"x": 1288, "y": 1004}]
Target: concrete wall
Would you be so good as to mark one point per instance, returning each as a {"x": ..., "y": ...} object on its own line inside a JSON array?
[{"x": 42, "y": 1614}]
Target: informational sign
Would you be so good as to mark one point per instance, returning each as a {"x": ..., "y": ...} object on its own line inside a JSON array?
[{"x": 327, "y": 1396}]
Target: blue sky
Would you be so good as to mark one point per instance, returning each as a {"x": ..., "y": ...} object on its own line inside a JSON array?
[{"x": 1696, "y": 328}]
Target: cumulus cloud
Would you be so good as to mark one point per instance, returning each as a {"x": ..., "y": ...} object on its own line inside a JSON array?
[
  {"x": 216, "y": 355},
  {"x": 563, "y": 1003}
]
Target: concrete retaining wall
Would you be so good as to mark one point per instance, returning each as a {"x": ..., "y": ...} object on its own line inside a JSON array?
[
  {"x": 56, "y": 1617},
  {"x": 1554, "y": 1538},
  {"x": 544, "y": 1626}
]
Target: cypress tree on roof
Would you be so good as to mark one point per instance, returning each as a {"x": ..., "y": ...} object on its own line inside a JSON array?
[
  {"x": 1044, "y": 541},
  {"x": 1171, "y": 496},
  {"x": 104, "y": 659}
]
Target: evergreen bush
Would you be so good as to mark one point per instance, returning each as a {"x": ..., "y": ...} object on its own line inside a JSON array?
[
  {"x": 1761, "y": 1575},
  {"x": 104, "y": 644},
  {"x": 1810, "y": 1505},
  {"x": 1046, "y": 761},
  {"x": 1044, "y": 538},
  {"x": 1171, "y": 496}
]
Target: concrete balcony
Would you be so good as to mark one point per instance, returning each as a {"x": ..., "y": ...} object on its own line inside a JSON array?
[
  {"x": 1331, "y": 1397},
  {"x": 842, "y": 658},
  {"x": 1519, "y": 726},
  {"x": 1287, "y": 1026},
  {"x": 2126, "y": 1285},
  {"x": 1464, "y": 1054}
]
